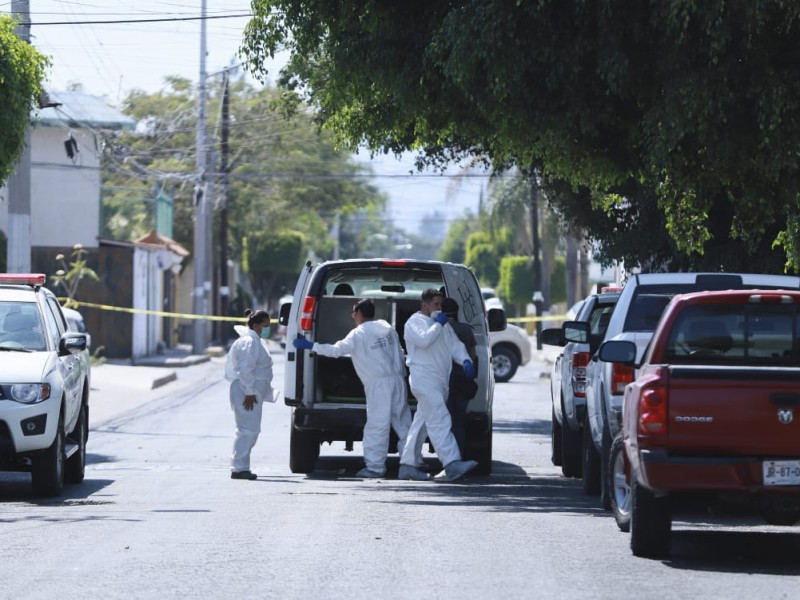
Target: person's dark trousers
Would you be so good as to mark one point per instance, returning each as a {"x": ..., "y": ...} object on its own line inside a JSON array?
[{"x": 458, "y": 415}]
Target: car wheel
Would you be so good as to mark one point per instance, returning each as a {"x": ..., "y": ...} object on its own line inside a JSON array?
[
  {"x": 605, "y": 453},
  {"x": 47, "y": 469},
  {"x": 619, "y": 485},
  {"x": 504, "y": 363},
  {"x": 76, "y": 464},
  {"x": 570, "y": 449},
  {"x": 303, "y": 451},
  {"x": 591, "y": 462},
  {"x": 651, "y": 523},
  {"x": 555, "y": 439}
]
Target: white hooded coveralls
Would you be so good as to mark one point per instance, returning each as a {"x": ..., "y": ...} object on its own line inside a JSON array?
[
  {"x": 249, "y": 369},
  {"x": 378, "y": 359},
  {"x": 431, "y": 349}
]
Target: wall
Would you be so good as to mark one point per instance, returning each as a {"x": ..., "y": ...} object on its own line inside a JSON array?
[{"x": 65, "y": 193}]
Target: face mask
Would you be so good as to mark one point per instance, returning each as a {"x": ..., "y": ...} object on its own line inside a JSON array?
[
  {"x": 435, "y": 314},
  {"x": 265, "y": 333}
]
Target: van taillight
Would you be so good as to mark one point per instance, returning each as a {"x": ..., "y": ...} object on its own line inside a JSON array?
[
  {"x": 621, "y": 375},
  {"x": 579, "y": 362},
  {"x": 653, "y": 408},
  {"x": 307, "y": 314}
]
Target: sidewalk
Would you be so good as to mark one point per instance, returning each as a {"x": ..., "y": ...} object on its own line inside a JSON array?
[
  {"x": 151, "y": 372},
  {"x": 148, "y": 372}
]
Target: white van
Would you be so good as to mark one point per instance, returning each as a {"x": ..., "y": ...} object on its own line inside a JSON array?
[{"x": 326, "y": 395}]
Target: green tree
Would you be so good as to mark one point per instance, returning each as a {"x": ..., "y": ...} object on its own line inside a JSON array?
[
  {"x": 517, "y": 281},
  {"x": 453, "y": 248},
  {"x": 283, "y": 173},
  {"x": 483, "y": 258},
  {"x": 699, "y": 102},
  {"x": 22, "y": 71}
]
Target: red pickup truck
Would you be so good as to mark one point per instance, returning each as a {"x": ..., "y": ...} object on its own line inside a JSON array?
[{"x": 712, "y": 412}]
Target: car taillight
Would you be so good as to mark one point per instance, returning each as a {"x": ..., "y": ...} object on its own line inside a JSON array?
[
  {"x": 770, "y": 299},
  {"x": 621, "y": 375},
  {"x": 307, "y": 314},
  {"x": 653, "y": 407},
  {"x": 579, "y": 362}
]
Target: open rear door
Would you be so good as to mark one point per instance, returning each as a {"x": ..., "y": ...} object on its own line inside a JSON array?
[{"x": 293, "y": 377}]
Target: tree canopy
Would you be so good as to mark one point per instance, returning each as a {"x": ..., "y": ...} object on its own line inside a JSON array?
[
  {"x": 22, "y": 71},
  {"x": 696, "y": 105}
]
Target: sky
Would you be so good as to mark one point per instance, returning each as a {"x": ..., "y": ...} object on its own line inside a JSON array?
[{"x": 111, "y": 47}]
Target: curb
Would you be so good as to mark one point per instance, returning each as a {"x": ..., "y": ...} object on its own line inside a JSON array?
[{"x": 164, "y": 380}]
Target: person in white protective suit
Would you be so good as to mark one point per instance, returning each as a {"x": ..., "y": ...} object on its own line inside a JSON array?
[
  {"x": 432, "y": 346},
  {"x": 248, "y": 367},
  {"x": 374, "y": 347}
]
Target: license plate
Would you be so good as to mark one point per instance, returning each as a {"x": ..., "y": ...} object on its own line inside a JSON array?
[{"x": 781, "y": 472}]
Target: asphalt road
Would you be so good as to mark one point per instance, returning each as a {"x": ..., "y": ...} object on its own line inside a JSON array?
[{"x": 159, "y": 517}]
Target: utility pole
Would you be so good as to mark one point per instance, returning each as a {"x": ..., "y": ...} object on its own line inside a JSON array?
[
  {"x": 538, "y": 296},
  {"x": 224, "y": 290},
  {"x": 202, "y": 284},
  {"x": 19, "y": 184}
]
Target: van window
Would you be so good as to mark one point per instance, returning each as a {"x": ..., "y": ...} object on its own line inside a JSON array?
[{"x": 381, "y": 283}]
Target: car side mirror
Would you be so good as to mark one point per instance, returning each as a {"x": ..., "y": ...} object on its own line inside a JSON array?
[
  {"x": 72, "y": 343},
  {"x": 576, "y": 331},
  {"x": 618, "y": 351},
  {"x": 497, "y": 319},
  {"x": 283, "y": 314},
  {"x": 552, "y": 336}
]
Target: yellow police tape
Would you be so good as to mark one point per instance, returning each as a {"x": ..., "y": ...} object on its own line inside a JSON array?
[
  {"x": 536, "y": 319},
  {"x": 144, "y": 311},
  {"x": 161, "y": 313}
]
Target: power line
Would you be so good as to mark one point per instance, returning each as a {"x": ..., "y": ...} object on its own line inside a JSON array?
[{"x": 131, "y": 21}]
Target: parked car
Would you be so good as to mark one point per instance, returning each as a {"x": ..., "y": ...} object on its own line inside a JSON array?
[
  {"x": 568, "y": 380},
  {"x": 710, "y": 416},
  {"x": 327, "y": 397},
  {"x": 44, "y": 382},
  {"x": 635, "y": 316},
  {"x": 490, "y": 299},
  {"x": 511, "y": 347},
  {"x": 280, "y": 330}
]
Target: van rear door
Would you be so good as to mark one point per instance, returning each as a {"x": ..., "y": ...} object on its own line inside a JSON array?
[{"x": 293, "y": 376}]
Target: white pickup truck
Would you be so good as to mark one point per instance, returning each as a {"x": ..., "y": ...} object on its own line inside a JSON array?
[
  {"x": 44, "y": 386},
  {"x": 638, "y": 310}
]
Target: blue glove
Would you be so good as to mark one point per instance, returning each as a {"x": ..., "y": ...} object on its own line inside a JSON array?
[
  {"x": 469, "y": 370},
  {"x": 441, "y": 318},
  {"x": 302, "y": 343}
]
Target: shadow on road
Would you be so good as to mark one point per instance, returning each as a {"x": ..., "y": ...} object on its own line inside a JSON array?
[
  {"x": 527, "y": 426},
  {"x": 16, "y": 487},
  {"x": 509, "y": 488},
  {"x": 772, "y": 552}
]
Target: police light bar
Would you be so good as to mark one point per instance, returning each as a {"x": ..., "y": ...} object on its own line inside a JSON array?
[{"x": 23, "y": 278}]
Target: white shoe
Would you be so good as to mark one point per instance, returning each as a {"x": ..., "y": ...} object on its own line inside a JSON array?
[
  {"x": 456, "y": 470},
  {"x": 412, "y": 473},
  {"x": 367, "y": 473}
]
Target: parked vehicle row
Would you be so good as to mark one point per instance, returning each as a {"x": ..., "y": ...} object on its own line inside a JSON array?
[
  {"x": 614, "y": 372},
  {"x": 710, "y": 416}
]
